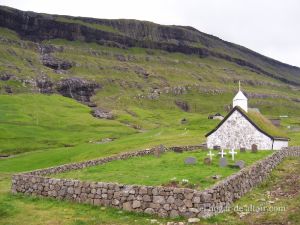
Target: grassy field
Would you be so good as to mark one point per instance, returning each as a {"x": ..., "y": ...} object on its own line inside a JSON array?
[
  {"x": 35, "y": 122},
  {"x": 150, "y": 170}
]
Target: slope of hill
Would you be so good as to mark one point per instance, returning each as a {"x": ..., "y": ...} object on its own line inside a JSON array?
[
  {"x": 145, "y": 74},
  {"x": 133, "y": 33}
]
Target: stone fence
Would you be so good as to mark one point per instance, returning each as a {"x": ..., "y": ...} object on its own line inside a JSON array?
[{"x": 162, "y": 201}]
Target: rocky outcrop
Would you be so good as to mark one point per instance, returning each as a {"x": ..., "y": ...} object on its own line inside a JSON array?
[
  {"x": 102, "y": 114},
  {"x": 182, "y": 105},
  {"x": 55, "y": 63},
  {"x": 6, "y": 76},
  {"x": 44, "y": 84},
  {"x": 77, "y": 88},
  {"x": 133, "y": 33}
]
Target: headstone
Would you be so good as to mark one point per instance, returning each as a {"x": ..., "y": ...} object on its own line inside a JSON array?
[
  {"x": 240, "y": 164},
  {"x": 210, "y": 155},
  {"x": 223, "y": 162},
  {"x": 207, "y": 161},
  {"x": 254, "y": 148},
  {"x": 232, "y": 153},
  {"x": 242, "y": 149},
  {"x": 222, "y": 153},
  {"x": 217, "y": 147},
  {"x": 190, "y": 160}
]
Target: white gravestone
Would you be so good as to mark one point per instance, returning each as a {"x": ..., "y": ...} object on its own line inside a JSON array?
[
  {"x": 232, "y": 153},
  {"x": 210, "y": 155},
  {"x": 222, "y": 153}
]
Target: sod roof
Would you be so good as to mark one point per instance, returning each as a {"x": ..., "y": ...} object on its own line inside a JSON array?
[{"x": 257, "y": 120}]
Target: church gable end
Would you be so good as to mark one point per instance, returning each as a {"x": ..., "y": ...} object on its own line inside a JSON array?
[{"x": 238, "y": 131}]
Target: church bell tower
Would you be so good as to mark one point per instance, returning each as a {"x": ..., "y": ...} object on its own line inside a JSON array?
[{"x": 240, "y": 100}]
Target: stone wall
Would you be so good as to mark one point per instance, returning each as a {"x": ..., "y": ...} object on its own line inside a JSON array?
[
  {"x": 162, "y": 201},
  {"x": 237, "y": 132}
]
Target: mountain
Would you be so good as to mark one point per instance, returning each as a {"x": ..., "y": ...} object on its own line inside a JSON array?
[
  {"x": 133, "y": 33},
  {"x": 151, "y": 78}
]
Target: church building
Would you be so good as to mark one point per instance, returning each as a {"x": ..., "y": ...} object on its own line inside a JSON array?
[{"x": 244, "y": 128}]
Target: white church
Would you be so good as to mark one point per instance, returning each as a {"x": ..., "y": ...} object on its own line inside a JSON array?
[{"x": 246, "y": 128}]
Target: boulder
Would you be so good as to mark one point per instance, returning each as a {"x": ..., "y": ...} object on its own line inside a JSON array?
[
  {"x": 77, "y": 88},
  {"x": 102, "y": 114},
  {"x": 182, "y": 105},
  {"x": 44, "y": 84},
  {"x": 55, "y": 63}
]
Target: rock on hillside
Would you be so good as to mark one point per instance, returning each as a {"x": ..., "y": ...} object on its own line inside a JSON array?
[{"x": 77, "y": 88}]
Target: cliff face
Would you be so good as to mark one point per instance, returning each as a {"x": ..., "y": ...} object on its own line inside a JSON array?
[{"x": 133, "y": 33}]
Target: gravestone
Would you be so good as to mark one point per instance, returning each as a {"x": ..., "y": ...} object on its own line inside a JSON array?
[
  {"x": 190, "y": 160},
  {"x": 240, "y": 164},
  {"x": 223, "y": 162},
  {"x": 207, "y": 161},
  {"x": 254, "y": 148},
  {"x": 217, "y": 147},
  {"x": 242, "y": 149}
]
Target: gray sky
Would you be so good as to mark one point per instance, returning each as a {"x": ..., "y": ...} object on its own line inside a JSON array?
[{"x": 270, "y": 27}]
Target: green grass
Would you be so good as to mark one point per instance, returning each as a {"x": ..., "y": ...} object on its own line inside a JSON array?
[
  {"x": 264, "y": 124},
  {"x": 35, "y": 122},
  {"x": 153, "y": 171},
  {"x": 91, "y": 25}
]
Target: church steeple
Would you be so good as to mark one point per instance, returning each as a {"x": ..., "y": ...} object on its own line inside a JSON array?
[{"x": 240, "y": 100}]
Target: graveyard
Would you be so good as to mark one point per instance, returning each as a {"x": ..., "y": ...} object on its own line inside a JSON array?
[{"x": 187, "y": 169}]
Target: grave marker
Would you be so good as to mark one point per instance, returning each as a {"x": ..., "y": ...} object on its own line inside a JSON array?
[
  {"x": 210, "y": 155},
  {"x": 242, "y": 149},
  {"x": 207, "y": 161},
  {"x": 190, "y": 161},
  {"x": 223, "y": 162},
  {"x": 232, "y": 153},
  {"x": 217, "y": 147},
  {"x": 222, "y": 153},
  {"x": 254, "y": 148},
  {"x": 240, "y": 164}
]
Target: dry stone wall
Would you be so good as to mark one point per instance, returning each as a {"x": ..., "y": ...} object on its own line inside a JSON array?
[{"x": 162, "y": 201}]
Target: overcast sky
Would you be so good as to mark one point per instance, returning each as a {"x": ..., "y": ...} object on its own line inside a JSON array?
[{"x": 270, "y": 27}]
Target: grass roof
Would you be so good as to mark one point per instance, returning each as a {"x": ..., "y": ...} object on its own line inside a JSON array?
[{"x": 265, "y": 124}]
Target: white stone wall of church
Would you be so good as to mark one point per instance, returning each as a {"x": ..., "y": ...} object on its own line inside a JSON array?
[
  {"x": 237, "y": 132},
  {"x": 277, "y": 145}
]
